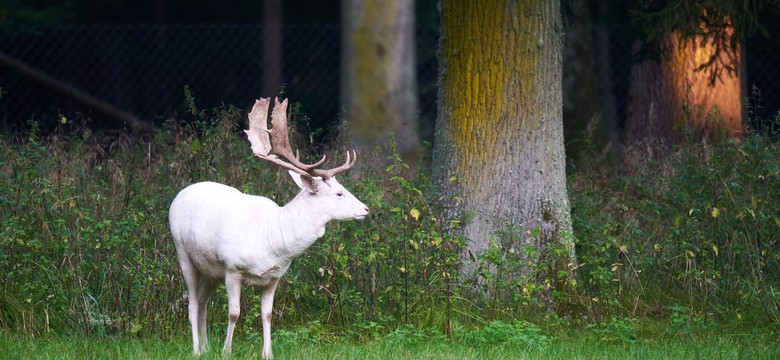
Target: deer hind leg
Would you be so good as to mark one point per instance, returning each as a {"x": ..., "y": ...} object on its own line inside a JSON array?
[
  {"x": 233, "y": 289},
  {"x": 205, "y": 289},
  {"x": 192, "y": 279}
]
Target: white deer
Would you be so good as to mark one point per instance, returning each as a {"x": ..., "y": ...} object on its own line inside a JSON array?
[{"x": 223, "y": 235}]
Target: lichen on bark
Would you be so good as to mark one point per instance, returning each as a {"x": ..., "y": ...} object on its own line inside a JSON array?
[{"x": 498, "y": 152}]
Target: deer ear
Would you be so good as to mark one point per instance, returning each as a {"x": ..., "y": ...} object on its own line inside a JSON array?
[{"x": 305, "y": 182}]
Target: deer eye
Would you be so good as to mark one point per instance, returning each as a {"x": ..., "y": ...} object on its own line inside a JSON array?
[{"x": 339, "y": 194}]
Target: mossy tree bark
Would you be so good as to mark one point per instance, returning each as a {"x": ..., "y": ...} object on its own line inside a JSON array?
[
  {"x": 499, "y": 153},
  {"x": 378, "y": 84}
]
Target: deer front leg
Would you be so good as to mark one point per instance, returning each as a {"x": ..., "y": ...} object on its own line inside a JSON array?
[
  {"x": 233, "y": 289},
  {"x": 266, "y": 310}
]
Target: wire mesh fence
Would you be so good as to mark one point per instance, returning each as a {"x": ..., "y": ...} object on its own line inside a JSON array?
[{"x": 143, "y": 69}]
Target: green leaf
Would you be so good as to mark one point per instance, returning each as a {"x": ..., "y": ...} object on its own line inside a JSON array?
[{"x": 196, "y": 146}]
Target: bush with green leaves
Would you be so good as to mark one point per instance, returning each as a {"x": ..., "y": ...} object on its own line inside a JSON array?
[
  {"x": 697, "y": 229},
  {"x": 85, "y": 246}
]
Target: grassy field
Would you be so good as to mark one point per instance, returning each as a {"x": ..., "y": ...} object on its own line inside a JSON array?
[{"x": 580, "y": 345}]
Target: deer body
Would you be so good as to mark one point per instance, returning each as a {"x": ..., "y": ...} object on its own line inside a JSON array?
[
  {"x": 225, "y": 236},
  {"x": 204, "y": 215}
]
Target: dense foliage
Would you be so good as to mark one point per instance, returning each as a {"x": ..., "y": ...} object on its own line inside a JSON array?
[
  {"x": 691, "y": 236},
  {"x": 689, "y": 240}
]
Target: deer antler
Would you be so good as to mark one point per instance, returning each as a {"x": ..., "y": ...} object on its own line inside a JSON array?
[
  {"x": 327, "y": 174},
  {"x": 270, "y": 144}
]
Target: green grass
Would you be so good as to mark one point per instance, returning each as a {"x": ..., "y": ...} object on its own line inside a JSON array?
[{"x": 573, "y": 345}]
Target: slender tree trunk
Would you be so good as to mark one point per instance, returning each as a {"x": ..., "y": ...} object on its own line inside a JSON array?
[
  {"x": 679, "y": 96},
  {"x": 499, "y": 154},
  {"x": 378, "y": 73},
  {"x": 610, "y": 64},
  {"x": 607, "y": 94},
  {"x": 272, "y": 48},
  {"x": 584, "y": 126}
]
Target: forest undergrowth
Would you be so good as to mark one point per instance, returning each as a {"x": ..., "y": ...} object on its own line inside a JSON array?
[{"x": 676, "y": 245}]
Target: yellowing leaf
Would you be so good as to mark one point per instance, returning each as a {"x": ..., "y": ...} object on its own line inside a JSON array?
[
  {"x": 341, "y": 247},
  {"x": 402, "y": 269},
  {"x": 715, "y": 212},
  {"x": 415, "y": 214},
  {"x": 436, "y": 241},
  {"x": 715, "y": 249},
  {"x": 414, "y": 244}
]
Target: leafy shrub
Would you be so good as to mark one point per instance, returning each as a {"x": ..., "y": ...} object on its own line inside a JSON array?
[
  {"x": 697, "y": 229},
  {"x": 499, "y": 332},
  {"x": 682, "y": 322},
  {"x": 615, "y": 330},
  {"x": 85, "y": 245}
]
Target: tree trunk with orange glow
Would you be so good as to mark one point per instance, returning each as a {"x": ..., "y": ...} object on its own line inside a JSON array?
[
  {"x": 378, "y": 77},
  {"x": 676, "y": 96},
  {"x": 498, "y": 156}
]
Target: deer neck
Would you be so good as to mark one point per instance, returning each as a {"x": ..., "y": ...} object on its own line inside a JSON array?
[{"x": 303, "y": 224}]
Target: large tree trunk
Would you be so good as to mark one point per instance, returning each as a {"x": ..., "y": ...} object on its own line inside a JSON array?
[
  {"x": 378, "y": 73},
  {"x": 498, "y": 153},
  {"x": 678, "y": 96}
]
